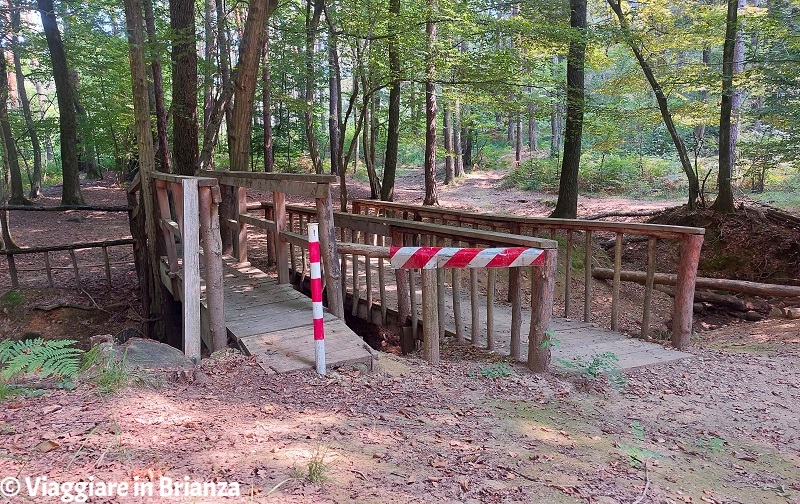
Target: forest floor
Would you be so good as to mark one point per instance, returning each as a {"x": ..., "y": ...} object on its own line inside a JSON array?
[{"x": 720, "y": 427}]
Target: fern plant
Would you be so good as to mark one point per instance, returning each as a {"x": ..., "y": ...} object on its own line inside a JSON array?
[{"x": 39, "y": 357}]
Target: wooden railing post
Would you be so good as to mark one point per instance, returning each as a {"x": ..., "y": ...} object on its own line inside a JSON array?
[
  {"x": 240, "y": 236},
  {"x": 227, "y": 212},
  {"x": 543, "y": 279},
  {"x": 330, "y": 256},
  {"x": 191, "y": 269},
  {"x": 403, "y": 288},
  {"x": 430, "y": 317},
  {"x": 684, "y": 291},
  {"x": 212, "y": 249},
  {"x": 281, "y": 247}
]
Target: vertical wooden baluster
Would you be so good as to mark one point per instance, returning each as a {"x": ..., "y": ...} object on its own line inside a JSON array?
[
  {"x": 356, "y": 281},
  {"x": 616, "y": 283},
  {"x": 382, "y": 282},
  {"x": 440, "y": 293},
  {"x": 75, "y": 269},
  {"x": 303, "y": 257},
  {"x": 515, "y": 294},
  {"x": 47, "y": 267},
  {"x": 474, "y": 304},
  {"x": 648, "y": 285},
  {"x": 490, "y": 291},
  {"x": 587, "y": 278},
  {"x": 553, "y": 233},
  {"x": 269, "y": 214},
  {"x": 281, "y": 247},
  {"x": 568, "y": 274},
  {"x": 107, "y": 264},
  {"x": 12, "y": 270},
  {"x": 430, "y": 342},
  {"x": 343, "y": 261},
  {"x": 414, "y": 315},
  {"x": 292, "y": 260},
  {"x": 457, "y": 315},
  {"x": 369, "y": 240}
]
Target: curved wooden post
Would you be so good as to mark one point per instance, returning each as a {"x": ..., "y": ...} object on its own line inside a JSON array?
[
  {"x": 544, "y": 281},
  {"x": 330, "y": 257},
  {"x": 212, "y": 251},
  {"x": 684, "y": 291}
]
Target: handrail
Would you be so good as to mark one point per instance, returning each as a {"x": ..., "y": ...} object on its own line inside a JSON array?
[
  {"x": 691, "y": 239},
  {"x": 375, "y": 233},
  {"x": 281, "y": 241}
]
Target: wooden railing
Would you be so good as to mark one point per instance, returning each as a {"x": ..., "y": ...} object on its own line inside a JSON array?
[
  {"x": 690, "y": 239},
  {"x": 72, "y": 249},
  {"x": 280, "y": 226},
  {"x": 365, "y": 239},
  {"x": 188, "y": 215}
]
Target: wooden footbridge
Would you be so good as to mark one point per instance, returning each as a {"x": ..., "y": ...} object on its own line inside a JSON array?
[{"x": 205, "y": 222}]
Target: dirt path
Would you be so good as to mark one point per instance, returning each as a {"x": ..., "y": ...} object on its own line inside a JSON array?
[{"x": 721, "y": 427}]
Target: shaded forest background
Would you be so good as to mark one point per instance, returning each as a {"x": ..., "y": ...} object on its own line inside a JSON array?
[{"x": 576, "y": 97}]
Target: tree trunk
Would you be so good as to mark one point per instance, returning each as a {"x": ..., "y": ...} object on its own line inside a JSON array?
[
  {"x": 184, "y": 86},
  {"x": 9, "y": 146},
  {"x": 36, "y": 182},
  {"x": 163, "y": 157},
  {"x": 312, "y": 23},
  {"x": 466, "y": 145},
  {"x": 518, "y": 145},
  {"x": 700, "y": 129},
  {"x": 393, "y": 126},
  {"x": 154, "y": 298},
  {"x": 430, "y": 109},
  {"x": 48, "y": 143},
  {"x": 458, "y": 170},
  {"x": 567, "y": 204},
  {"x": 449, "y": 160},
  {"x": 245, "y": 83},
  {"x": 6, "y": 241},
  {"x": 86, "y": 149},
  {"x": 209, "y": 53},
  {"x": 266, "y": 89},
  {"x": 68, "y": 125},
  {"x": 724, "y": 202},
  {"x": 224, "y": 51},
  {"x": 533, "y": 131},
  {"x": 661, "y": 99},
  {"x": 556, "y": 117},
  {"x": 335, "y": 103}
]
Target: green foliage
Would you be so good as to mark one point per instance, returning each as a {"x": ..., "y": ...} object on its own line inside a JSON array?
[
  {"x": 638, "y": 455},
  {"x": 598, "y": 366},
  {"x": 39, "y": 357},
  {"x": 713, "y": 443},
  {"x": 317, "y": 470},
  {"x": 496, "y": 370},
  {"x": 11, "y": 299}
]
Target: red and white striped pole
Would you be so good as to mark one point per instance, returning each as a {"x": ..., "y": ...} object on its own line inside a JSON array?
[{"x": 316, "y": 295}]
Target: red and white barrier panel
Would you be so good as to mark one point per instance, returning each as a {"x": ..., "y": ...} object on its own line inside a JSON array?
[
  {"x": 453, "y": 257},
  {"x": 316, "y": 295}
]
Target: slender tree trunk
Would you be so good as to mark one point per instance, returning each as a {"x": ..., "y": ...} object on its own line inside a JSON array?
[
  {"x": 393, "y": 126},
  {"x": 430, "y": 109},
  {"x": 700, "y": 129},
  {"x": 736, "y": 96},
  {"x": 9, "y": 146},
  {"x": 335, "y": 103},
  {"x": 86, "y": 149},
  {"x": 466, "y": 143},
  {"x": 48, "y": 143},
  {"x": 209, "y": 54},
  {"x": 533, "y": 131},
  {"x": 312, "y": 23},
  {"x": 184, "y": 86},
  {"x": 458, "y": 170},
  {"x": 661, "y": 99},
  {"x": 724, "y": 202},
  {"x": 6, "y": 241},
  {"x": 449, "y": 159},
  {"x": 163, "y": 157},
  {"x": 36, "y": 182},
  {"x": 154, "y": 298},
  {"x": 556, "y": 113},
  {"x": 245, "y": 83},
  {"x": 510, "y": 125},
  {"x": 567, "y": 205},
  {"x": 518, "y": 148},
  {"x": 266, "y": 89},
  {"x": 224, "y": 51},
  {"x": 68, "y": 125}
]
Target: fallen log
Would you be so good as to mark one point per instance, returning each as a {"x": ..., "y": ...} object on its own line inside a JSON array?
[
  {"x": 742, "y": 286},
  {"x": 729, "y": 302}
]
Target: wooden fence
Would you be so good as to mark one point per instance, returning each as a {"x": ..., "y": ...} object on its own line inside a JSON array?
[
  {"x": 690, "y": 239},
  {"x": 364, "y": 240},
  {"x": 72, "y": 249},
  {"x": 188, "y": 215}
]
